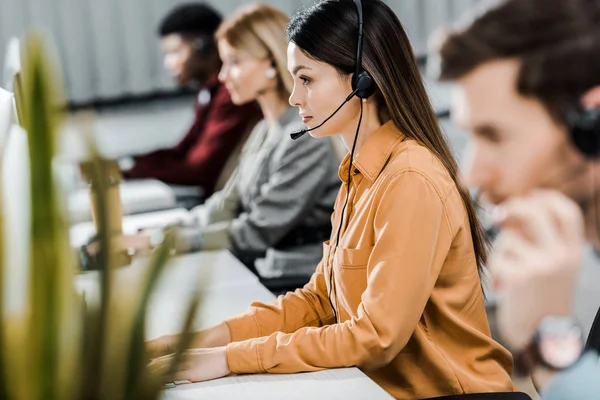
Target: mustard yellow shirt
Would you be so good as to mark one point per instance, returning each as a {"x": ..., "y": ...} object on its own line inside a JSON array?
[{"x": 405, "y": 287}]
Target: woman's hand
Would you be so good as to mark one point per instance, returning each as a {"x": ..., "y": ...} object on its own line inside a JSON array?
[
  {"x": 162, "y": 346},
  {"x": 216, "y": 336},
  {"x": 137, "y": 243},
  {"x": 197, "y": 365}
]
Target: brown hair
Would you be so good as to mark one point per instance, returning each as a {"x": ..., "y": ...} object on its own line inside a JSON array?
[
  {"x": 556, "y": 41},
  {"x": 259, "y": 29},
  {"x": 328, "y": 32}
]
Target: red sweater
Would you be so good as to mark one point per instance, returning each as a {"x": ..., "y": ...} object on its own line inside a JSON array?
[{"x": 199, "y": 158}]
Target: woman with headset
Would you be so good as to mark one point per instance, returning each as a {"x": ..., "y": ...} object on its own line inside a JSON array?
[
  {"x": 274, "y": 212},
  {"x": 398, "y": 290}
]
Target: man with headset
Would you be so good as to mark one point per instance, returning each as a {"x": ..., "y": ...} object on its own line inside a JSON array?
[
  {"x": 192, "y": 58},
  {"x": 529, "y": 91}
]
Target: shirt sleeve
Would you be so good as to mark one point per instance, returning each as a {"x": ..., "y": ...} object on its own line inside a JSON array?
[
  {"x": 207, "y": 225},
  {"x": 412, "y": 238},
  {"x": 308, "y": 306},
  {"x": 226, "y": 124},
  {"x": 293, "y": 187},
  {"x": 577, "y": 383},
  {"x": 224, "y": 204}
]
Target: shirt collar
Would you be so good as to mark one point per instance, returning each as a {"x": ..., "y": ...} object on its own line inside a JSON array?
[{"x": 374, "y": 153}]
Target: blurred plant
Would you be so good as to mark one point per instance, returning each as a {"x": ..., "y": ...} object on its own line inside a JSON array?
[{"x": 63, "y": 346}]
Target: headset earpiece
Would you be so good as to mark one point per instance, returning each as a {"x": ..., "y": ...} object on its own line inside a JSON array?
[
  {"x": 270, "y": 73},
  {"x": 584, "y": 126},
  {"x": 363, "y": 84},
  {"x": 202, "y": 46}
]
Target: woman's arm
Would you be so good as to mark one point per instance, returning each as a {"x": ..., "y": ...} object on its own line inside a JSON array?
[
  {"x": 299, "y": 174},
  {"x": 413, "y": 237},
  {"x": 308, "y": 306},
  {"x": 304, "y": 307}
]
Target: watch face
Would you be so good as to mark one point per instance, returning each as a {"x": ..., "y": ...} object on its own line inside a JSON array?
[
  {"x": 560, "y": 342},
  {"x": 156, "y": 238}
]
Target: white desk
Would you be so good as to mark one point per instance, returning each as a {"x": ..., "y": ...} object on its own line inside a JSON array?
[
  {"x": 229, "y": 290},
  {"x": 137, "y": 196},
  {"x": 214, "y": 271},
  {"x": 218, "y": 268},
  {"x": 333, "y": 384},
  {"x": 81, "y": 232},
  {"x": 228, "y": 294}
]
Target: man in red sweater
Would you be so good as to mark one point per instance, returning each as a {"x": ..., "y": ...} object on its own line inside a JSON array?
[{"x": 192, "y": 58}]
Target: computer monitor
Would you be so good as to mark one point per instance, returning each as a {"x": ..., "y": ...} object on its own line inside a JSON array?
[
  {"x": 7, "y": 115},
  {"x": 16, "y": 220},
  {"x": 12, "y": 64},
  {"x": 12, "y": 75}
]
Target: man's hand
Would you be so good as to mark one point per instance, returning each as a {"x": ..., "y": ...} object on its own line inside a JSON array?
[{"x": 535, "y": 262}]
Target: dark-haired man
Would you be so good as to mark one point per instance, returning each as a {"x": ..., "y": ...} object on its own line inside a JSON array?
[
  {"x": 192, "y": 58},
  {"x": 528, "y": 82}
]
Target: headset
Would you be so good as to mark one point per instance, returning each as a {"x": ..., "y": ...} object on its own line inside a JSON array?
[
  {"x": 203, "y": 46},
  {"x": 362, "y": 82},
  {"x": 584, "y": 127},
  {"x": 363, "y": 87}
]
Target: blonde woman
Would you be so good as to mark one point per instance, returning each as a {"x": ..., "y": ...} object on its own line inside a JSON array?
[{"x": 274, "y": 212}]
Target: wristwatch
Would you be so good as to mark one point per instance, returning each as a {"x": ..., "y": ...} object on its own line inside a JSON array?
[
  {"x": 557, "y": 345},
  {"x": 159, "y": 237},
  {"x": 156, "y": 238}
]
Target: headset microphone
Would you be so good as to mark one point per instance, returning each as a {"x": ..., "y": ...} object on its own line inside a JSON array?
[
  {"x": 203, "y": 46},
  {"x": 298, "y": 134}
]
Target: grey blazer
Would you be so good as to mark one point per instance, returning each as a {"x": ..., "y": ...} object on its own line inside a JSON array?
[{"x": 278, "y": 186}]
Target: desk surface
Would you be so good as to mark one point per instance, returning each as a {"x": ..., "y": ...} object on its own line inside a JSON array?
[
  {"x": 333, "y": 384},
  {"x": 212, "y": 270},
  {"x": 229, "y": 288},
  {"x": 81, "y": 232},
  {"x": 219, "y": 268}
]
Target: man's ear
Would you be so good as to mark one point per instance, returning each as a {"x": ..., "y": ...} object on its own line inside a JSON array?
[{"x": 591, "y": 99}]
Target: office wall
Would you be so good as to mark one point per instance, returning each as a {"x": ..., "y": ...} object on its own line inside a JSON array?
[{"x": 109, "y": 50}]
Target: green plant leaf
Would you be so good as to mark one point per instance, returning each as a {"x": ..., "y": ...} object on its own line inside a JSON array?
[
  {"x": 65, "y": 346},
  {"x": 137, "y": 352},
  {"x": 3, "y": 320},
  {"x": 187, "y": 331},
  {"x": 51, "y": 264}
]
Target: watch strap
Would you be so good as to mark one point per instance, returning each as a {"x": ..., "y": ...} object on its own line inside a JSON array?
[{"x": 527, "y": 359}]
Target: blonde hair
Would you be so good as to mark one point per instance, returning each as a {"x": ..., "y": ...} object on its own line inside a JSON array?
[{"x": 259, "y": 29}]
